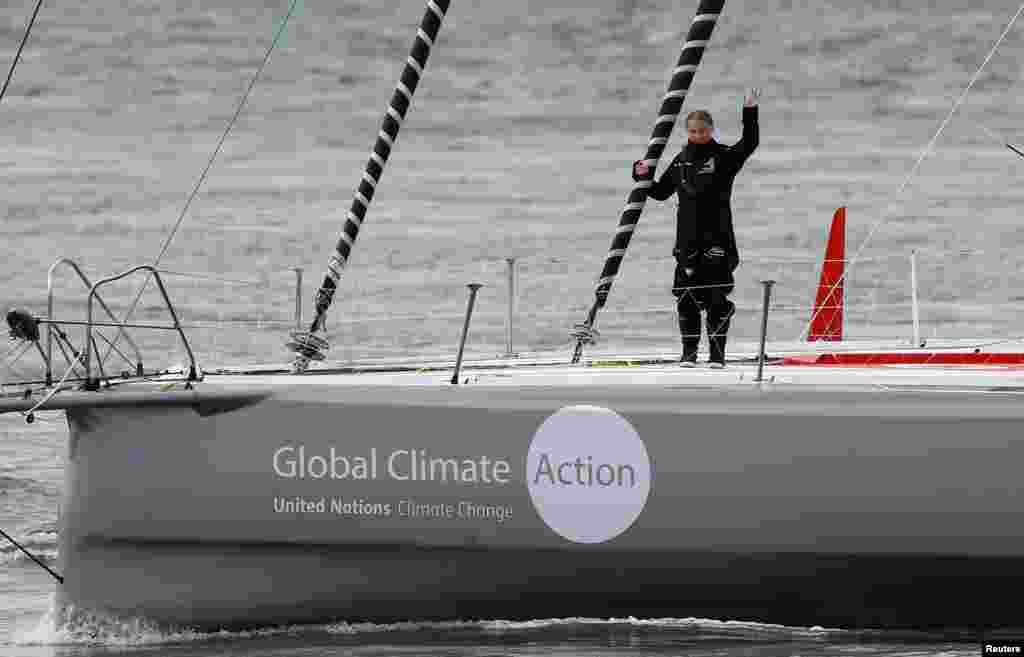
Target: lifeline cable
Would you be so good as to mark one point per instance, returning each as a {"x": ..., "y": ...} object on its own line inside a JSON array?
[
  {"x": 17, "y": 55},
  {"x": 697, "y": 40},
  {"x": 306, "y": 344},
  {"x": 206, "y": 170},
  {"x": 1002, "y": 141},
  {"x": 920, "y": 159},
  {"x": 32, "y": 556}
]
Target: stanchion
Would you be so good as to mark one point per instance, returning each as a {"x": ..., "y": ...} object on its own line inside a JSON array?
[
  {"x": 473, "y": 288},
  {"x": 914, "y": 308},
  {"x": 298, "y": 298},
  {"x": 510, "y": 313},
  {"x": 764, "y": 328}
]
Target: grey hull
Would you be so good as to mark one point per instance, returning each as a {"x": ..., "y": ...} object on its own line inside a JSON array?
[
  {"x": 841, "y": 507},
  {"x": 221, "y": 585}
]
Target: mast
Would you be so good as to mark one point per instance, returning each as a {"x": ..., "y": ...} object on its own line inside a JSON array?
[
  {"x": 682, "y": 77},
  {"x": 306, "y": 344}
]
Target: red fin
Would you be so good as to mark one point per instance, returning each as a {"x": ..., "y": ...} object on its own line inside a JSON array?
[{"x": 827, "y": 317}]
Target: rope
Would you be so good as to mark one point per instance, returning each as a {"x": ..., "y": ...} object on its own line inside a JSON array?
[
  {"x": 206, "y": 170},
  {"x": 17, "y": 345},
  {"x": 922, "y": 157},
  {"x": 32, "y": 556},
  {"x": 114, "y": 347},
  {"x": 15, "y": 358},
  {"x": 205, "y": 277},
  {"x": 1001, "y": 140},
  {"x": 30, "y": 413},
  {"x": 17, "y": 55}
]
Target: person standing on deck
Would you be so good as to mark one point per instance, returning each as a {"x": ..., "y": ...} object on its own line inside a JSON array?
[{"x": 702, "y": 175}]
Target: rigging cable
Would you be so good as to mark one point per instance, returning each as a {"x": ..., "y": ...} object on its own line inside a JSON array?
[
  {"x": 17, "y": 55},
  {"x": 1001, "y": 140},
  {"x": 206, "y": 170},
  {"x": 31, "y": 556},
  {"x": 920, "y": 159}
]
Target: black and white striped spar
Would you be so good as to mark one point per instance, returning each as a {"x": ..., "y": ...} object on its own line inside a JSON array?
[
  {"x": 697, "y": 40},
  {"x": 306, "y": 344}
]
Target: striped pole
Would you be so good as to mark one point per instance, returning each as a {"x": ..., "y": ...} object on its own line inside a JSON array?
[
  {"x": 306, "y": 344},
  {"x": 693, "y": 49}
]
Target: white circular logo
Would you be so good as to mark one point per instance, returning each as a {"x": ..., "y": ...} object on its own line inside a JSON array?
[{"x": 588, "y": 473}]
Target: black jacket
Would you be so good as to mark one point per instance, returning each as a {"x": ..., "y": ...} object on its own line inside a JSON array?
[{"x": 702, "y": 175}]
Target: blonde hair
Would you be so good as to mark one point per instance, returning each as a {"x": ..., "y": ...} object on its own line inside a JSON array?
[{"x": 700, "y": 115}]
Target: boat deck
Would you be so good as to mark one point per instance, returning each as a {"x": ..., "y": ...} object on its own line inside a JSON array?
[
  {"x": 955, "y": 366},
  {"x": 799, "y": 368}
]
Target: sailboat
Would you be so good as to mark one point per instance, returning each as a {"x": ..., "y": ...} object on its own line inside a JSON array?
[{"x": 851, "y": 488}]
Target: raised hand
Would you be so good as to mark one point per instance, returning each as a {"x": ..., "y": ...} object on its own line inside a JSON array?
[{"x": 750, "y": 100}]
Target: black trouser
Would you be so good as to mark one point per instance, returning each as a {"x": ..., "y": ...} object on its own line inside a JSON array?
[{"x": 706, "y": 290}]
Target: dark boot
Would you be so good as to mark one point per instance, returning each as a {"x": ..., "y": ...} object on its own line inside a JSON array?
[
  {"x": 689, "y": 328},
  {"x": 717, "y": 347},
  {"x": 689, "y": 357},
  {"x": 719, "y": 316}
]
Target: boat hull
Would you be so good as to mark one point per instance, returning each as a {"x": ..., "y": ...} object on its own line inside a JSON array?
[
  {"x": 246, "y": 585},
  {"x": 840, "y": 508}
]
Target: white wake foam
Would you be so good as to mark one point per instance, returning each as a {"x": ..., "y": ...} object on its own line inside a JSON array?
[{"x": 69, "y": 626}]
